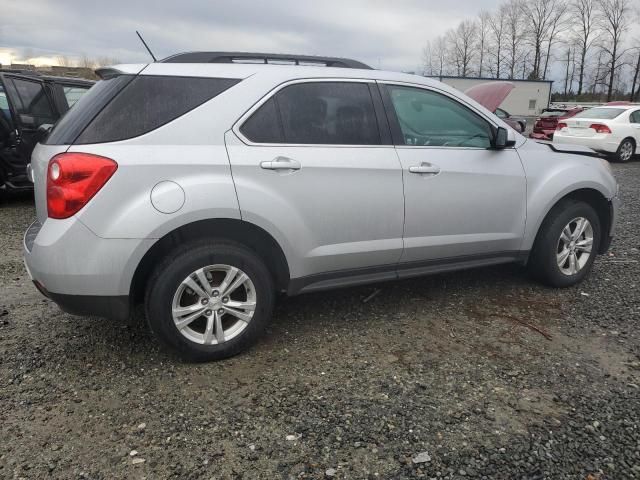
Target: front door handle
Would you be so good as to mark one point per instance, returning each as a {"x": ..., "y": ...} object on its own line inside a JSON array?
[
  {"x": 281, "y": 163},
  {"x": 425, "y": 169}
]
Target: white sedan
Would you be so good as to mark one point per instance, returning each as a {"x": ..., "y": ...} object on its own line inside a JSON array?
[{"x": 610, "y": 129}]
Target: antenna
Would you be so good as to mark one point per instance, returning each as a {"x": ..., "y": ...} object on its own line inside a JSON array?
[{"x": 146, "y": 46}]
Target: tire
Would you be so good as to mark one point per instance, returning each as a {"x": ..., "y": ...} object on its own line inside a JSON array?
[
  {"x": 625, "y": 151},
  {"x": 545, "y": 256},
  {"x": 192, "y": 342}
]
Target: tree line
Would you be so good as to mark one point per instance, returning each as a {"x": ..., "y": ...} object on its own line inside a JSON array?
[{"x": 589, "y": 41}]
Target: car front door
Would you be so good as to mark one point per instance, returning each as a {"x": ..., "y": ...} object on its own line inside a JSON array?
[
  {"x": 32, "y": 107},
  {"x": 465, "y": 201},
  {"x": 314, "y": 165}
]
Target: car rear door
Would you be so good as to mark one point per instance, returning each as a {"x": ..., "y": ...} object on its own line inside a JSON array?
[
  {"x": 313, "y": 164},
  {"x": 465, "y": 201}
]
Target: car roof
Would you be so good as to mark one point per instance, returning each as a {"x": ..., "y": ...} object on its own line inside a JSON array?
[{"x": 285, "y": 72}]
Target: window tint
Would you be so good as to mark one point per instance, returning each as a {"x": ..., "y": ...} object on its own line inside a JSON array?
[
  {"x": 31, "y": 99},
  {"x": 328, "y": 113},
  {"x": 431, "y": 119},
  {"x": 635, "y": 117},
  {"x": 264, "y": 125},
  {"x": 73, "y": 94},
  {"x": 86, "y": 108},
  {"x": 149, "y": 102}
]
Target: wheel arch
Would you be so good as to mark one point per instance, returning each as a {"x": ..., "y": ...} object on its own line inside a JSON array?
[
  {"x": 245, "y": 233},
  {"x": 592, "y": 197}
]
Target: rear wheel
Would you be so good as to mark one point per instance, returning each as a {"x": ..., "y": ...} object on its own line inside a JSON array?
[
  {"x": 567, "y": 244},
  {"x": 626, "y": 150},
  {"x": 209, "y": 300}
]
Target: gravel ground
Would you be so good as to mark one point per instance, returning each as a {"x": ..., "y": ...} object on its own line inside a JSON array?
[{"x": 479, "y": 374}]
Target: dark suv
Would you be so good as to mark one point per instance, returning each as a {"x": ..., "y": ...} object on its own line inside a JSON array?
[{"x": 29, "y": 100}]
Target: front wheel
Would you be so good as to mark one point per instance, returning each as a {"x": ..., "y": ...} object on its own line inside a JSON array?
[
  {"x": 566, "y": 245},
  {"x": 209, "y": 300}
]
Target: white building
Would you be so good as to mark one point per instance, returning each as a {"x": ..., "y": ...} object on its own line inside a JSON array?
[{"x": 527, "y": 99}]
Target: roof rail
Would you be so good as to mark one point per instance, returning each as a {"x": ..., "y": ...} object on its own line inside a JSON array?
[{"x": 273, "y": 58}]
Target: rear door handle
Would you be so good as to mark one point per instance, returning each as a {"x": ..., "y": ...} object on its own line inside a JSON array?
[
  {"x": 425, "y": 169},
  {"x": 281, "y": 163}
]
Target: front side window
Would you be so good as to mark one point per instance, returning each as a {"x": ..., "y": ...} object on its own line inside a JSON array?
[
  {"x": 431, "y": 119},
  {"x": 317, "y": 113},
  {"x": 501, "y": 113},
  {"x": 32, "y": 101}
]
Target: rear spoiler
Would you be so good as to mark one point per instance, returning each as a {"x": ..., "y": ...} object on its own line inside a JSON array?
[{"x": 573, "y": 149}]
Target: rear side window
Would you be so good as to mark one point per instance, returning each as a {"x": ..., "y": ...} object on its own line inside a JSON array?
[
  {"x": 85, "y": 109},
  {"x": 31, "y": 100},
  {"x": 635, "y": 117},
  {"x": 149, "y": 102},
  {"x": 264, "y": 125},
  {"x": 319, "y": 113}
]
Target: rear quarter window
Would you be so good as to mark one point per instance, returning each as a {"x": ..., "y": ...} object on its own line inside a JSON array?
[{"x": 148, "y": 102}]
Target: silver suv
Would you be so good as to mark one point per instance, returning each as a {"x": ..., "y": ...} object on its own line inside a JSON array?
[{"x": 207, "y": 183}]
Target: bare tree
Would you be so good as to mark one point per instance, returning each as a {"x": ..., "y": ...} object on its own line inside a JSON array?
[
  {"x": 583, "y": 13},
  {"x": 557, "y": 24},
  {"x": 614, "y": 18},
  {"x": 515, "y": 34},
  {"x": 538, "y": 14},
  {"x": 86, "y": 62},
  {"x": 636, "y": 74},
  {"x": 64, "y": 61},
  {"x": 463, "y": 41},
  {"x": 484, "y": 30},
  {"x": 497, "y": 27}
]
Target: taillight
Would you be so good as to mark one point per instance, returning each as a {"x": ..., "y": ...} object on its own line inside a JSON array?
[
  {"x": 600, "y": 128},
  {"x": 73, "y": 179},
  {"x": 561, "y": 125}
]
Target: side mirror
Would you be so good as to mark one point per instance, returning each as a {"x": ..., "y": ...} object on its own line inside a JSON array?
[{"x": 503, "y": 139}]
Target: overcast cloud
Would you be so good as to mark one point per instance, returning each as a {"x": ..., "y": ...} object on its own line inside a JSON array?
[{"x": 386, "y": 34}]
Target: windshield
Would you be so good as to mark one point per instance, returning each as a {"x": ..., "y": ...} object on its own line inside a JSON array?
[{"x": 601, "y": 113}]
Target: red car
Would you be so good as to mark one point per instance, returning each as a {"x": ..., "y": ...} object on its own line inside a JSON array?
[{"x": 546, "y": 123}]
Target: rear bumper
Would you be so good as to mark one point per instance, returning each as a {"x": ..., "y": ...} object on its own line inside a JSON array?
[
  {"x": 83, "y": 273},
  {"x": 115, "y": 307},
  {"x": 600, "y": 143}
]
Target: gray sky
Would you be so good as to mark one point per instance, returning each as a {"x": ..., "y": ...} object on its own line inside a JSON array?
[{"x": 387, "y": 34}]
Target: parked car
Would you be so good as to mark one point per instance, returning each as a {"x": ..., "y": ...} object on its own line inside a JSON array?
[
  {"x": 258, "y": 179},
  {"x": 491, "y": 95},
  {"x": 547, "y": 122},
  {"x": 613, "y": 130},
  {"x": 28, "y": 101}
]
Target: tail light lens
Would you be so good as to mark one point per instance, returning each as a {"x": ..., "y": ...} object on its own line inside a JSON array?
[
  {"x": 600, "y": 128},
  {"x": 561, "y": 125},
  {"x": 73, "y": 179}
]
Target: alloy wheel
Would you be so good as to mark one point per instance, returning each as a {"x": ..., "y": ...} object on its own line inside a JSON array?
[
  {"x": 626, "y": 151},
  {"x": 214, "y": 304},
  {"x": 574, "y": 246}
]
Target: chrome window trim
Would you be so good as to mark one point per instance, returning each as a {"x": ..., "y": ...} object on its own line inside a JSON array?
[{"x": 271, "y": 93}]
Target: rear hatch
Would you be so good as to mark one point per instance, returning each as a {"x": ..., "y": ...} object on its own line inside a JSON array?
[{"x": 69, "y": 127}]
